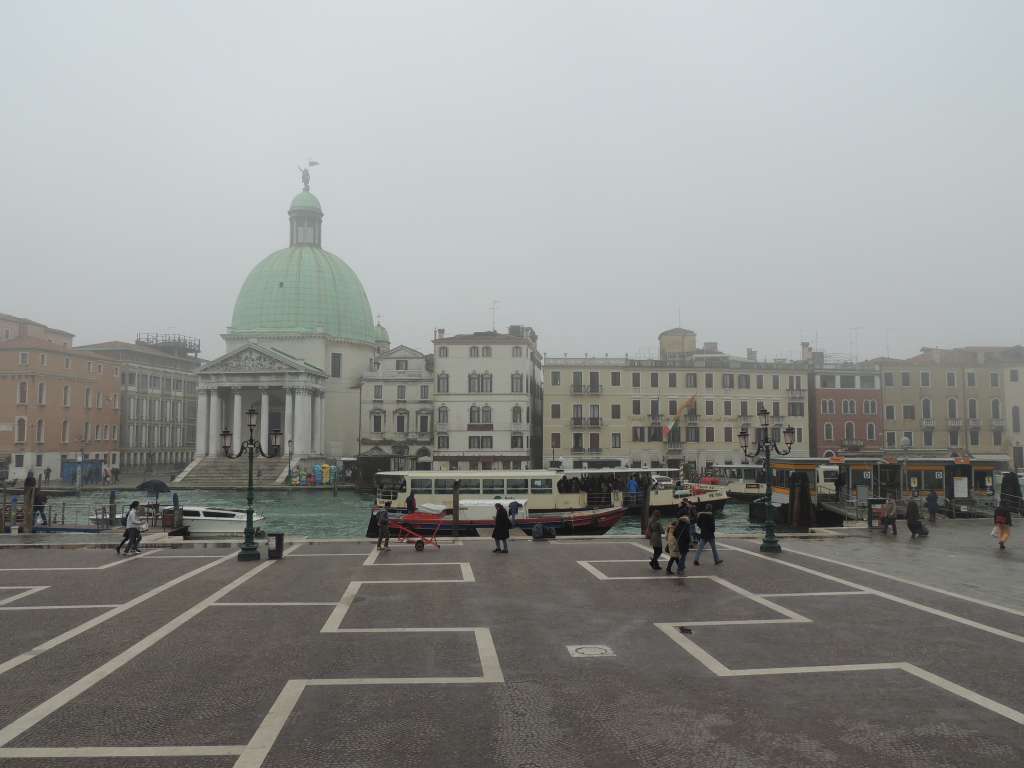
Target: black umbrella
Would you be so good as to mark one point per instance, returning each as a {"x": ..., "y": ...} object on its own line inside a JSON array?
[{"x": 155, "y": 487}]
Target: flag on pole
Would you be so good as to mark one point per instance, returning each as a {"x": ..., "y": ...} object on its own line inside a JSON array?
[
  {"x": 313, "y": 163},
  {"x": 667, "y": 429}
]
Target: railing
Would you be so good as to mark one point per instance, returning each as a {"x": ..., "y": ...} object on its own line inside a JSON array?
[
  {"x": 477, "y": 427},
  {"x": 927, "y": 423},
  {"x": 586, "y": 389},
  {"x": 998, "y": 423},
  {"x": 655, "y": 419},
  {"x": 956, "y": 423},
  {"x": 974, "y": 423},
  {"x": 796, "y": 394},
  {"x": 578, "y": 450},
  {"x": 587, "y": 421}
]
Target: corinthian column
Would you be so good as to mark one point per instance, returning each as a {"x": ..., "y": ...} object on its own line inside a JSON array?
[
  {"x": 202, "y": 423},
  {"x": 236, "y": 419},
  {"x": 265, "y": 419},
  {"x": 213, "y": 447}
]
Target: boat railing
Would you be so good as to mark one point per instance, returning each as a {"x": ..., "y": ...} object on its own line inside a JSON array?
[{"x": 599, "y": 499}]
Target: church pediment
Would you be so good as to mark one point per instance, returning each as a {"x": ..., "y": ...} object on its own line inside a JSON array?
[{"x": 255, "y": 359}]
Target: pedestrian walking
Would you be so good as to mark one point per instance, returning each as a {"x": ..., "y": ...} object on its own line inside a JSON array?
[
  {"x": 889, "y": 516},
  {"x": 46, "y": 476},
  {"x": 383, "y": 527},
  {"x": 410, "y": 502},
  {"x": 706, "y": 526},
  {"x": 501, "y": 529},
  {"x": 931, "y": 501},
  {"x": 1003, "y": 520},
  {"x": 132, "y": 529},
  {"x": 678, "y": 542},
  {"x": 654, "y": 533},
  {"x": 914, "y": 524},
  {"x": 513, "y": 512}
]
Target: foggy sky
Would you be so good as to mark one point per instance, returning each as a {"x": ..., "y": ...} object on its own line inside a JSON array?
[{"x": 762, "y": 172}]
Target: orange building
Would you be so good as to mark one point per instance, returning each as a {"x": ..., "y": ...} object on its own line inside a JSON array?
[{"x": 56, "y": 403}]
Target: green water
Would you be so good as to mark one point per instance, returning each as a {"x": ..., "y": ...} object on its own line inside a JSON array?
[{"x": 318, "y": 514}]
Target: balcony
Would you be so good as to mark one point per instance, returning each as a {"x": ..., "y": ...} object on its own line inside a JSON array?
[
  {"x": 927, "y": 423},
  {"x": 587, "y": 421},
  {"x": 655, "y": 419},
  {"x": 972, "y": 423},
  {"x": 796, "y": 394},
  {"x": 480, "y": 427},
  {"x": 674, "y": 447},
  {"x": 586, "y": 389},
  {"x": 998, "y": 423},
  {"x": 955, "y": 423},
  {"x": 578, "y": 450},
  {"x": 690, "y": 421}
]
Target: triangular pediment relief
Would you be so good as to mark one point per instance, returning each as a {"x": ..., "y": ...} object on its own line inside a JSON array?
[
  {"x": 401, "y": 351},
  {"x": 253, "y": 358}
]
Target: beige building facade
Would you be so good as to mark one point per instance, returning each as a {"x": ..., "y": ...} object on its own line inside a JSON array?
[
  {"x": 685, "y": 408},
  {"x": 397, "y": 412},
  {"x": 963, "y": 401}
]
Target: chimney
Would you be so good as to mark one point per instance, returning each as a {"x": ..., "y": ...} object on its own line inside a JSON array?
[{"x": 751, "y": 355}]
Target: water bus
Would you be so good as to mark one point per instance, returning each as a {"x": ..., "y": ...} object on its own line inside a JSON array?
[
  {"x": 547, "y": 497},
  {"x": 743, "y": 482}
]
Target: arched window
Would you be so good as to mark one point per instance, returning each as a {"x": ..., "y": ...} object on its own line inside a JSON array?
[
  {"x": 485, "y": 414},
  {"x": 474, "y": 383},
  {"x": 41, "y": 393},
  {"x": 64, "y": 431},
  {"x": 517, "y": 382},
  {"x": 951, "y": 408},
  {"x": 40, "y": 431},
  {"x": 850, "y": 432},
  {"x": 442, "y": 382},
  {"x": 517, "y": 414},
  {"x": 474, "y": 352},
  {"x": 871, "y": 434},
  {"x": 67, "y": 396},
  {"x": 997, "y": 410},
  {"x": 829, "y": 434},
  {"x": 486, "y": 352},
  {"x": 926, "y": 408},
  {"x": 486, "y": 383},
  {"x": 972, "y": 409},
  {"x": 1015, "y": 415},
  {"x": 19, "y": 430},
  {"x": 22, "y": 392},
  {"x": 442, "y": 415},
  {"x": 474, "y": 414}
]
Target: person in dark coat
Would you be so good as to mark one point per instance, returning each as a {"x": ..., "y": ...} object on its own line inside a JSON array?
[
  {"x": 706, "y": 525},
  {"x": 502, "y": 525},
  {"x": 410, "y": 502},
  {"x": 931, "y": 501},
  {"x": 914, "y": 524},
  {"x": 679, "y": 548}
]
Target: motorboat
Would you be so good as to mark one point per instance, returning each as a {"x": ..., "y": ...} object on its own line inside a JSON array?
[{"x": 206, "y": 521}]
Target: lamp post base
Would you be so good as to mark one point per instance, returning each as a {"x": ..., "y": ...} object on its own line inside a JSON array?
[
  {"x": 249, "y": 551},
  {"x": 771, "y": 546}
]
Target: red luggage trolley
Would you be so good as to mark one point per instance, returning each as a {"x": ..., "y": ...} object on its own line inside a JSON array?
[{"x": 405, "y": 533}]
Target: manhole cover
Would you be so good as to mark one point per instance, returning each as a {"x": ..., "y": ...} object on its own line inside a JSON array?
[{"x": 589, "y": 651}]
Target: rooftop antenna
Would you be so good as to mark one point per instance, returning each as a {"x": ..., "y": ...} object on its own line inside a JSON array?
[{"x": 494, "y": 308}]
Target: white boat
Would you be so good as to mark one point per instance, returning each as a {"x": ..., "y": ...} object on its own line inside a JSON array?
[{"x": 204, "y": 521}]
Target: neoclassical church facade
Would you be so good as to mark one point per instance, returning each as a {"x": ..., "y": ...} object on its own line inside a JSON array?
[{"x": 301, "y": 336}]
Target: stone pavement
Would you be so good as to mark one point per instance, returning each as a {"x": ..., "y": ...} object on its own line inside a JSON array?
[{"x": 840, "y": 652}]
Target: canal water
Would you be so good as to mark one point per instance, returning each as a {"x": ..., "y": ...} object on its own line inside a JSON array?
[{"x": 318, "y": 514}]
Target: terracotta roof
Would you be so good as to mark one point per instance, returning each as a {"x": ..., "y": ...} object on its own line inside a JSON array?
[{"x": 30, "y": 321}]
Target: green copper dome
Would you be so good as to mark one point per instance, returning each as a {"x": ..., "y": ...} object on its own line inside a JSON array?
[
  {"x": 305, "y": 201},
  {"x": 381, "y": 334},
  {"x": 303, "y": 288}
]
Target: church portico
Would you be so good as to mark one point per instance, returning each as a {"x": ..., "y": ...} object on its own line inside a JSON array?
[{"x": 287, "y": 394}]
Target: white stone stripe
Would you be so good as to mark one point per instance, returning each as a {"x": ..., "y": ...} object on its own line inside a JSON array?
[
  {"x": 263, "y": 605},
  {"x": 330, "y": 554},
  {"x": 111, "y": 564},
  {"x": 886, "y": 596},
  {"x": 22, "y": 592},
  {"x": 917, "y": 584},
  {"x": 118, "y": 752},
  {"x": 55, "y": 607},
  {"x": 51, "y": 705},
  {"x": 74, "y": 632},
  {"x": 816, "y": 594}
]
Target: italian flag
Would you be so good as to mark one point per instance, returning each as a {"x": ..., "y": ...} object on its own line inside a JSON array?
[{"x": 667, "y": 429}]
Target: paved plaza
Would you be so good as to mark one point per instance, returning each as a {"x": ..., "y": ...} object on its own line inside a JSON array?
[{"x": 858, "y": 651}]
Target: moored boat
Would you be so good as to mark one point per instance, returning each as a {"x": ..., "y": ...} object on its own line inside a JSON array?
[{"x": 207, "y": 521}]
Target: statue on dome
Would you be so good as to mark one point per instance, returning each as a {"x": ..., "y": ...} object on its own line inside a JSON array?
[{"x": 305, "y": 174}]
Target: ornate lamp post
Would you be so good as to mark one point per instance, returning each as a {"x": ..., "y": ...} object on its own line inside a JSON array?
[
  {"x": 763, "y": 448},
  {"x": 252, "y": 446},
  {"x": 291, "y": 449}
]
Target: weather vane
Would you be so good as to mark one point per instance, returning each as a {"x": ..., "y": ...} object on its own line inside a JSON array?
[{"x": 305, "y": 174}]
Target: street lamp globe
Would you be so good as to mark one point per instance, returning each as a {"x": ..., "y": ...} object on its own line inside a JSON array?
[
  {"x": 789, "y": 435},
  {"x": 252, "y": 413},
  {"x": 225, "y": 439}
]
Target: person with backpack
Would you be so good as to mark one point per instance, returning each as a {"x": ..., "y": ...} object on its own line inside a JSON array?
[
  {"x": 1003, "y": 521},
  {"x": 678, "y": 543},
  {"x": 383, "y": 527},
  {"x": 706, "y": 525},
  {"x": 914, "y": 524},
  {"x": 654, "y": 533},
  {"x": 501, "y": 529},
  {"x": 132, "y": 530}
]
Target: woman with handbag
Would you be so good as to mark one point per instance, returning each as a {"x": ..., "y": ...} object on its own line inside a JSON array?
[{"x": 1003, "y": 520}]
